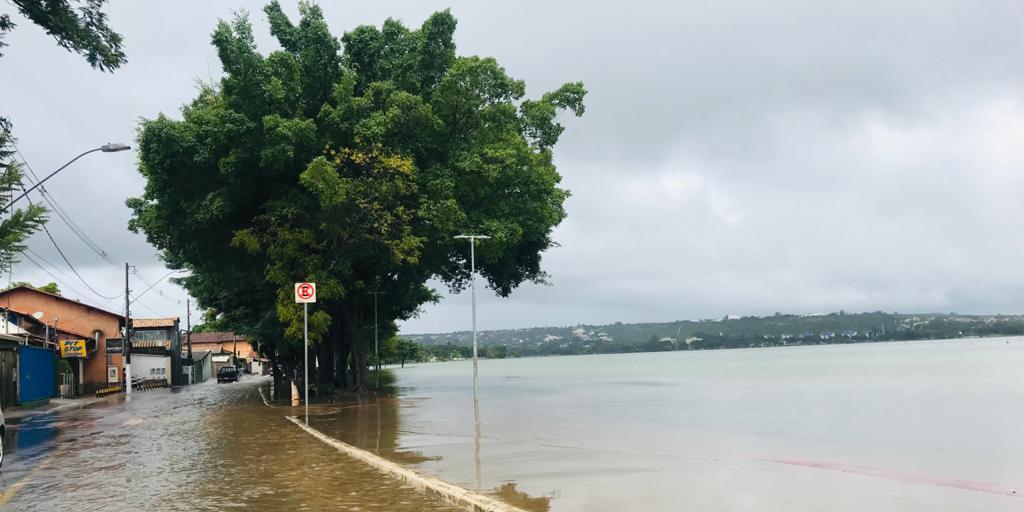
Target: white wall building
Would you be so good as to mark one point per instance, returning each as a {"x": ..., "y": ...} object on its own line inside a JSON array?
[{"x": 149, "y": 366}]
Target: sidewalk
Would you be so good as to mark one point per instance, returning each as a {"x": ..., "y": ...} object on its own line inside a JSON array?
[{"x": 55, "y": 405}]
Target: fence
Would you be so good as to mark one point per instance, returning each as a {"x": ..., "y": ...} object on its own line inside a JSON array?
[
  {"x": 36, "y": 375},
  {"x": 67, "y": 385}
]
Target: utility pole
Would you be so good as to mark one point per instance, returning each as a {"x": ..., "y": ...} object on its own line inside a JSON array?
[
  {"x": 126, "y": 342},
  {"x": 376, "y": 342},
  {"x": 188, "y": 338}
]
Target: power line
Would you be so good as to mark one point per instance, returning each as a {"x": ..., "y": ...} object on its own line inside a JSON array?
[
  {"x": 85, "y": 238},
  {"x": 55, "y": 206},
  {"x": 72, "y": 267},
  {"x": 137, "y": 297},
  {"x": 63, "y": 283}
]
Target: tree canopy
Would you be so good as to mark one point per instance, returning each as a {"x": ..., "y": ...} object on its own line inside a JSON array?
[
  {"x": 350, "y": 162},
  {"x": 83, "y": 30},
  {"x": 50, "y": 287}
]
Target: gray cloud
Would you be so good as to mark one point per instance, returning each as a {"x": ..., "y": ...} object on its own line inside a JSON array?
[{"x": 734, "y": 158}]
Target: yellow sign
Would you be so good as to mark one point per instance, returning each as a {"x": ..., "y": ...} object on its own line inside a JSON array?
[{"x": 72, "y": 348}]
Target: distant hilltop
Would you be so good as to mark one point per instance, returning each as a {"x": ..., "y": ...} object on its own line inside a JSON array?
[{"x": 728, "y": 332}]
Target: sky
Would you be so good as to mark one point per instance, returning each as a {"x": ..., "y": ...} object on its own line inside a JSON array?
[{"x": 735, "y": 157}]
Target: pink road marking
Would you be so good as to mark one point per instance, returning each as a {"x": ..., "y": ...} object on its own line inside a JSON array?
[{"x": 969, "y": 485}]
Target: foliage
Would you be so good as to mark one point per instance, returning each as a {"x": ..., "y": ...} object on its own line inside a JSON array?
[
  {"x": 16, "y": 227},
  {"x": 48, "y": 287},
  {"x": 352, "y": 164},
  {"x": 745, "y": 332},
  {"x": 211, "y": 322},
  {"x": 83, "y": 30}
]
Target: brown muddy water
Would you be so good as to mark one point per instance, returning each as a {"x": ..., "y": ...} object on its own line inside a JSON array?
[{"x": 207, "y": 447}]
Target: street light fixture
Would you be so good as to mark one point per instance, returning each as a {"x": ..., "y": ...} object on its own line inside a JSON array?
[{"x": 110, "y": 147}]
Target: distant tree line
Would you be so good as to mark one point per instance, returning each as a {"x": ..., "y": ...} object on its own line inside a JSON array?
[{"x": 725, "y": 333}]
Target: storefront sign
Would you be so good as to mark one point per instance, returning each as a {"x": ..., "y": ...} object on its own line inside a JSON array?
[
  {"x": 115, "y": 346},
  {"x": 72, "y": 348}
]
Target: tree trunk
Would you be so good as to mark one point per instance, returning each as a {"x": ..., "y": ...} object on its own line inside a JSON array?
[
  {"x": 353, "y": 328},
  {"x": 340, "y": 350},
  {"x": 325, "y": 368}
]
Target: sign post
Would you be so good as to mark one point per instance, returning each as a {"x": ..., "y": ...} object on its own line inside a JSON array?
[{"x": 305, "y": 293}]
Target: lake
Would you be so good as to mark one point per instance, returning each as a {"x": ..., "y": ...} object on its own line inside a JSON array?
[{"x": 921, "y": 425}]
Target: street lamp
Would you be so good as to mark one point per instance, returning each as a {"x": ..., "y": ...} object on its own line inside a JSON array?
[
  {"x": 476, "y": 375},
  {"x": 110, "y": 147},
  {"x": 472, "y": 286},
  {"x": 376, "y": 344}
]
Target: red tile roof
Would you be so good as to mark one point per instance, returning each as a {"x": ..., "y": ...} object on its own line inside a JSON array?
[
  {"x": 216, "y": 337},
  {"x": 154, "y": 322}
]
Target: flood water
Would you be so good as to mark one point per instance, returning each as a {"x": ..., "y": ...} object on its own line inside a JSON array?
[{"x": 936, "y": 425}]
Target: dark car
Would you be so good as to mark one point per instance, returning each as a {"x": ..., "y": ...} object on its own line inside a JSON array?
[{"x": 227, "y": 374}]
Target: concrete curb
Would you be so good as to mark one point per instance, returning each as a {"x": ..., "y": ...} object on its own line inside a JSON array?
[
  {"x": 65, "y": 404},
  {"x": 451, "y": 493}
]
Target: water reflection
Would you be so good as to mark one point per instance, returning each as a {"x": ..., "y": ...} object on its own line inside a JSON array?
[
  {"x": 509, "y": 494},
  {"x": 374, "y": 423},
  {"x": 476, "y": 420}
]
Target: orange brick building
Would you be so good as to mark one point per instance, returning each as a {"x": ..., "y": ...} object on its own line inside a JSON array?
[
  {"x": 221, "y": 343},
  {"x": 70, "y": 318}
]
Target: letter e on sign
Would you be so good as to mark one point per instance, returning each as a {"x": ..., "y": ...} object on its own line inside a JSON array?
[{"x": 305, "y": 293}]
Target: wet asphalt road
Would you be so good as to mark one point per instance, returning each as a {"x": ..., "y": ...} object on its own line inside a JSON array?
[{"x": 205, "y": 447}]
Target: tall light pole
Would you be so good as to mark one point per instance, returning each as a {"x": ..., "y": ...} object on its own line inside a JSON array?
[
  {"x": 376, "y": 343},
  {"x": 472, "y": 287},
  {"x": 110, "y": 147},
  {"x": 476, "y": 374}
]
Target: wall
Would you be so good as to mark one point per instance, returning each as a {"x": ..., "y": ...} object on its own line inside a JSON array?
[
  {"x": 245, "y": 350},
  {"x": 150, "y": 366},
  {"x": 203, "y": 366}
]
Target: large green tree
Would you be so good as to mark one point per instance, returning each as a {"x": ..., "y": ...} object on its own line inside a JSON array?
[{"x": 352, "y": 163}]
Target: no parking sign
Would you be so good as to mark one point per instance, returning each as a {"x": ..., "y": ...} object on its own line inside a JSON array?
[{"x": 305, "y": 293}]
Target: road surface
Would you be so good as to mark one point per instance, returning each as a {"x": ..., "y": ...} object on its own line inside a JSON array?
[{"x": 205, "y": 447}]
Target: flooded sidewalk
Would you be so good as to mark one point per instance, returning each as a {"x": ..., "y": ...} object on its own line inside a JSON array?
[{"x": 206, "y": 447}]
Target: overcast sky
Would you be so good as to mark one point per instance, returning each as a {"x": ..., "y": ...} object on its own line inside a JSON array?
[{"x": 735, "y": 157}]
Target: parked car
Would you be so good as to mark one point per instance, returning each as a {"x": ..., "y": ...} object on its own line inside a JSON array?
[{"x": 227, "y": 374}]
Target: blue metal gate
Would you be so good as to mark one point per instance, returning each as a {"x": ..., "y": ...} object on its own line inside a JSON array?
[{"x": 36, "y": 377}]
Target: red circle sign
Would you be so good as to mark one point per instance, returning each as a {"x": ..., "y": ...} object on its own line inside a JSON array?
[{"x": 305, "y": 291}]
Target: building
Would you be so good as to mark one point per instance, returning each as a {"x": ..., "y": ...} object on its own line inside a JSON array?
[
  {"x": 224, "y": 342},
  {"x": 202, "y": 366},
  {"x": 156, "y": 350},
  {"x": 49, "y": 321}
]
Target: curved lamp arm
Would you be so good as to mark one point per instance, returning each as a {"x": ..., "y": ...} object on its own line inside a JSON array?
[{"x": 106, "y": 148}]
